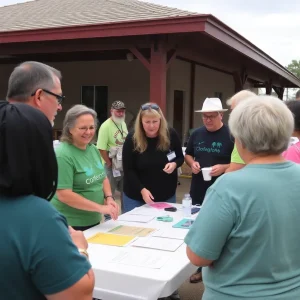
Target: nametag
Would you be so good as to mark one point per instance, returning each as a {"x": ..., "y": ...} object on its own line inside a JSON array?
[
  {"x": 171, "y": 156},
  {"x": 116, "y": 173}
]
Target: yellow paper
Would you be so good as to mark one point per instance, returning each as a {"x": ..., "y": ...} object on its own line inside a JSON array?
[
  {"x": 132, "y": 230},
  {"x": 110, "y": 239}
]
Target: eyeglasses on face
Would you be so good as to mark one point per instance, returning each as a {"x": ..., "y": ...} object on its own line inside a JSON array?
[
  {"x": 149, "y": 106},
  {"x": 59, "y": 98},
  {"x": 204, "y": 117},
  {"x": 84, "y": 129}
]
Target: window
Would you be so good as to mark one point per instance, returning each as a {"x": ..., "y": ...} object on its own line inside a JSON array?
[{"x": 96, "y": 97}]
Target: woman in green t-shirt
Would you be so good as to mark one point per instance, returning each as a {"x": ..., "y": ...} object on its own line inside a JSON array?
[{"x": 83, "y": 190}]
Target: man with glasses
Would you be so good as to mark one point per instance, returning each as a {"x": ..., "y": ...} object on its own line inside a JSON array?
[
  {"x": 209, "y": 146},
  {"x": 111, "y": 137},
  {"x": 38, "y": 85}
]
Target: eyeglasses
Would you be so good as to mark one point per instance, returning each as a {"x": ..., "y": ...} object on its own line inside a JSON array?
[
  {"x": 59, "y": 98},
  {"x": 209, "y": 117},
  {"x": 148, "y": 106},
  {"x": 84, "y": 129}
]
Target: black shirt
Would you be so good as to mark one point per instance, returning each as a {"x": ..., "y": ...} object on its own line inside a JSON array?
[
  {"x": 209, "y": 149},
  {"x": 145, "y": 170}
]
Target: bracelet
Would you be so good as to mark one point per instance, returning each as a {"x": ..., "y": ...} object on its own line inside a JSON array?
[
  {"x": 84, "y": 252},
  {"x": 109, "y": 196}
]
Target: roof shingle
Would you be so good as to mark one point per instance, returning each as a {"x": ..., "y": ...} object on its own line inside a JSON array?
[{"x": 41, "y": 14}]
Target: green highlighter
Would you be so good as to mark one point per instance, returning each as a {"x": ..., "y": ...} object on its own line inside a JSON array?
[{"x": 165, "y": 219}]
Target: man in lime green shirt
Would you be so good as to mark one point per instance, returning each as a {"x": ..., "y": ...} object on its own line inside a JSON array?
[
  {"x": 236, "y": 162},
  {"x": 112, "y": 133}
]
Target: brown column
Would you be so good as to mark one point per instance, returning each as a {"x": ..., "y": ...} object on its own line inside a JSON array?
[
  {"x": 279, "y": 91},
  {"x": 240, "y": 78},
  {"x": 160, "y": 61},
  {"x": 158, "y": 75},
  {"x": 268, "y": 87}
]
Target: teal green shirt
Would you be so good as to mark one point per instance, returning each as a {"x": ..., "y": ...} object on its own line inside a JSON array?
[
  {"x": 37, "y": 254},
  {"x": 82, "y": 172},
  {"x": 249, "y": 226}
]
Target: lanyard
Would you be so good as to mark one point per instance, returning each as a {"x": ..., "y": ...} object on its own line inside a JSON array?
[{"x": 121, "y": 130}]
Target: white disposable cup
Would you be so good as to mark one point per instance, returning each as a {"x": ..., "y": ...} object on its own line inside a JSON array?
[{"x": 206, "y": 173}]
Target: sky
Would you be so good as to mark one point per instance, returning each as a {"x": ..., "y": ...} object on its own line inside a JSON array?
[{"x": 273, "y": 26}]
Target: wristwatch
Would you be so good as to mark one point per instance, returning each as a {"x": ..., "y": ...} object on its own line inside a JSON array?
[
  {"x": 83, "y": 251},
  {"x": 109, "y": 196}
]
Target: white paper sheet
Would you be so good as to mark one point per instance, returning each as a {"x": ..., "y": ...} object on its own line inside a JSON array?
[
  {"x": 172, "y": 233},
  {"x": 135, "y": 218},
  {"x": 164, "y": 244},
  {"x": 152, "y": 261}
]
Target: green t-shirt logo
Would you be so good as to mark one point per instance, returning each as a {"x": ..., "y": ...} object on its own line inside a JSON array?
[{"x": 216, "y": 144}]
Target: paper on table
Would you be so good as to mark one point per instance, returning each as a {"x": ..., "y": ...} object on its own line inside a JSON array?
[
  {"x": 160, "y": 205},
  {"x": 153, "y": 261},
  {"x": 135, "y": 218},
  {"x": 158, "y": 243},
  {"x": 171, "y": 233},
  {"x": 110, "y": 239},
  {"x": 132, "y": 230}
]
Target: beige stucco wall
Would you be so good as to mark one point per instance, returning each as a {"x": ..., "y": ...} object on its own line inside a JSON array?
[
  {"x": 126, "y": 81},
  {"x": 207, "y": 83},
  {"x": 129, "y": 82}
]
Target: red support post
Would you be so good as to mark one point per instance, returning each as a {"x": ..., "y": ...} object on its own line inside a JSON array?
[{"x": 158, "y": 75}]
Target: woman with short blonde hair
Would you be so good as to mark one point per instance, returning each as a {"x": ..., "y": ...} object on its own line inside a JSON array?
[{"x": 151, "y": 156}]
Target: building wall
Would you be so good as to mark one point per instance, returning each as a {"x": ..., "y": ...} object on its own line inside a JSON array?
[
  {"x": 209, "y": 82},
  {"x": 126, "y": 81},
  {"x": 5, "y": 71},
  {"x": 129, "y": 82}
]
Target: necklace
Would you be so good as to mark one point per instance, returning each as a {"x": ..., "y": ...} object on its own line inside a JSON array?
[{"x": 121, "y": 130}]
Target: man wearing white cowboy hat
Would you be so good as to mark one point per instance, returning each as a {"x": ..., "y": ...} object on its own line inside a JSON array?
[{"x": 209, "y": 146}]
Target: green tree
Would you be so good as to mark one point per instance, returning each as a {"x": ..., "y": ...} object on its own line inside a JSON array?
[{"x": 294, "y": 67}]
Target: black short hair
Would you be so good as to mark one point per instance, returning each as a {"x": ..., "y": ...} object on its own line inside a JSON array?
[
  {"x": 294, "y": 106},
  {"x": 27, "y": 158}
]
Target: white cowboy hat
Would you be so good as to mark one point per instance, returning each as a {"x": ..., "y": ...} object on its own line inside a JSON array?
[{"x": 212, "y": 104}]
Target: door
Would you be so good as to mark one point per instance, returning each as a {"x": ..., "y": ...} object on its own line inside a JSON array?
[
  {"x": 96, "y": 97},
  {"x": 178, "y": 113}
]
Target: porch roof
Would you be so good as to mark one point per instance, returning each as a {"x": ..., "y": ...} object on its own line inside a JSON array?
[{"x": 55, "y": 20}]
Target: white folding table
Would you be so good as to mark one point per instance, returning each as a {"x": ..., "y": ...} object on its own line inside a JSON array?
[{"x": 125, "y": 282}]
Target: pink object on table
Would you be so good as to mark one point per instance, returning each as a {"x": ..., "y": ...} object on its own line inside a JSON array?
[{"x": 160, "y": 205}]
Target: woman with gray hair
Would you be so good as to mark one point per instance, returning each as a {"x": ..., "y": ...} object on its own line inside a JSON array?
[
  {"x": 83, "y": 190},
  {"x": 247, "y": 232}
]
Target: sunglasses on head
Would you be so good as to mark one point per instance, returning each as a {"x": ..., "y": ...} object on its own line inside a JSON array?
[{"x": 150, "y": 106}]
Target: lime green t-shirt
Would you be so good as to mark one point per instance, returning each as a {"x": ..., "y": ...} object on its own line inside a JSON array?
[
  {"x": 111, "y": 135},
  {"x": 83, "y": 173},
  {"x": 235, "y": 156}
]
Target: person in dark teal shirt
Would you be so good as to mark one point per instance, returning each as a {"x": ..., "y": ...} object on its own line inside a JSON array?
[{"x": 41, "y": 258}]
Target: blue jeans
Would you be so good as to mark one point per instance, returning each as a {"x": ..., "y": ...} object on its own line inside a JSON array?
[{"x": 129, "y": 203}]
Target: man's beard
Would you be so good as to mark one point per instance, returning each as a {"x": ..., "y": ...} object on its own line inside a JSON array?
[{"x": 117, "y": 120}]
